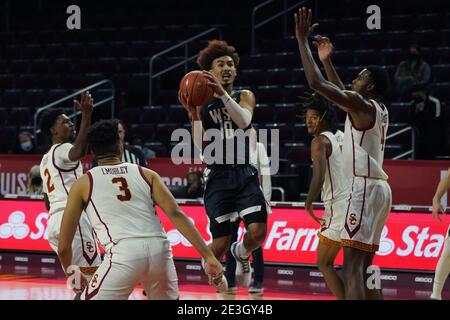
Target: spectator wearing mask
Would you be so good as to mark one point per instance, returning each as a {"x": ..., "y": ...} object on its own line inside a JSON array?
[
  {"x": 34, "y": 185},
  {"x": 426, "y": 118},
  {"x": 412, "y": 71},
  {"x": 25, "y": 144}
]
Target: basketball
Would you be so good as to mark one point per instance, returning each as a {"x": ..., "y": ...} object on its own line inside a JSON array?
[{"x": 195, "y": 86}]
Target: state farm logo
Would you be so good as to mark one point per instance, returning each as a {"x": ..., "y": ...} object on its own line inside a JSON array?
[
  {"x": 18, "y": 229},
  {"x": 386, "y": 244},
  {"x": 15, "y": 226}
]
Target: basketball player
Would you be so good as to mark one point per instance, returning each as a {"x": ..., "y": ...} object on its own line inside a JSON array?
[
  {"x": 443, "y": 265},
  {"x": 130, "y": 154},
  {"x": 328, "y": 177},
  {"x": 59, "y": 168},
  {"x": 363, "y": 150},
  {"x": 232, "y": 186},
  {"x": 119, "y": 200}
]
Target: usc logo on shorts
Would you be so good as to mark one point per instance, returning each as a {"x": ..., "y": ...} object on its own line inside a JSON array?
[
  {"x": 352, "y": 219},
  {"x": 94, "y": 281},
  {"x": 89, "y": 246}
]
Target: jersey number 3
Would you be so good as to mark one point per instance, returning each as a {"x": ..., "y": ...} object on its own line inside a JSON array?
[{"x": 126, "y": 194}]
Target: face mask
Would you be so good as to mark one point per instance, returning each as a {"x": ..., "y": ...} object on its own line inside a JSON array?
[
  {"x": 36, "y": 181},
  {"x": 26, "y": 146}
]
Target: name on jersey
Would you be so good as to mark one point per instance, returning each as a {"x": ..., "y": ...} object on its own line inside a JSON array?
[{"x": 119, "y": 170}]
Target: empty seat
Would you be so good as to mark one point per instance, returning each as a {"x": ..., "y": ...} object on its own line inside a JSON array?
[
  {"x": 27, "y": 81},
  {"x": 130, "y": 115},
  {"x": 62, "y": 66},
  {"x": 9, "y": 136},
  {"x": 143, "y": 131},
  {"x": 263, "y": 115},
  {"x": 12, "y": 98},
  {"x": 19, "y": 116},
  {"x": 19, "y": 66},
  {"x": 164, "y": 131},
  {"x": 367, "y": 57},
  {"x": 154, "y": 114},
  {"x": 34, "y": 98},
  {"x": 441, "y": 72},
  {"x": 39, "y": 66},
  {"x": 297, "y": 153},
  {"x": 287, "y": 114},
  {"x": 55, "y": 51},
  {"x": 130, "y": 65},
  {"x": 285, "y": 132},
  {"x": 177, "y": 114}
]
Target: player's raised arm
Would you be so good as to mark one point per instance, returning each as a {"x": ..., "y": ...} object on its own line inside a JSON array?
[
  {"x": 241, "y": 113},
  {"x": 85, "y": 105},
  {"x": 325, "y": 49},
  {"x": 163, "y": 198},
  {"x": 349, "y": 101}
]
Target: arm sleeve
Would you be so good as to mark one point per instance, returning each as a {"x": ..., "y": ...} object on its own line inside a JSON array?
[{"x": 264, "y": 171}]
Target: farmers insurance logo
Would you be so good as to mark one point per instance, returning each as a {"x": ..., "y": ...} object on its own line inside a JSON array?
[{"x": 18, "y": 229}]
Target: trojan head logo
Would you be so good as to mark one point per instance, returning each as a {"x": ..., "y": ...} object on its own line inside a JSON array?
[{"x": 352, "y": 219}]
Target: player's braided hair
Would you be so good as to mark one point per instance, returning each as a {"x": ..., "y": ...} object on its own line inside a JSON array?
[
  {"x": 214, "y": 50},
  {"x": 314, "y": 101},
  {"x": 103, "y": 137}
]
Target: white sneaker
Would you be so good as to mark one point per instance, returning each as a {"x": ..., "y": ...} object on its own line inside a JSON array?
[
  {"x": 219, "y": 283},
  {"x": 243, "y": 268}
]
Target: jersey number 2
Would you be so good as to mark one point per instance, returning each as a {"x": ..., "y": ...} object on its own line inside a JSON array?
[
  {"x": 50, "y": 186},
  {"x": 126, "y": 194}
]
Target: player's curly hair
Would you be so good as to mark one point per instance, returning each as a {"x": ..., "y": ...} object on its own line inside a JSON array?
[
  {"x": 103, "y": 137},
  {"x": 48, "y": 119},
  {"x": 215, "y": 49},
  {"x": 327, "y": 113}
]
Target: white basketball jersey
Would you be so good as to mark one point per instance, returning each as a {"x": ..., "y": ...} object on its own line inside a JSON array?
[
  {"x": 364, "y": 149},
  {"x": 334, "y": 186},
  {"x": 58, "y": 174},
  {"x": 120, "y": 204}
]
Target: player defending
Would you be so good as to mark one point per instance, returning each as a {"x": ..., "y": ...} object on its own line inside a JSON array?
[
  {"x": 364, "y": 140},
  {"x": 232, "y": 185},
  {"x": 328, "y": 176},
  {"x": 119, "y": 200},
  {"x": 59, "y": 168},
  {"x": 443, "y": 265}
]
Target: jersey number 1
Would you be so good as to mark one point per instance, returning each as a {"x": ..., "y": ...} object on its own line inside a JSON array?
[{"x": 126, "y": 194}]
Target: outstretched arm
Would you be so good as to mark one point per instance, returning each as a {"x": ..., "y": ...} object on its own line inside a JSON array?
[
  {"x": 163, "y": 198},
  {"x": 325, "y": 49},
  {"x": 349, "y": 101},
  {"x": 85, "y": 105},
  {"x": 241, "y": 113}
]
